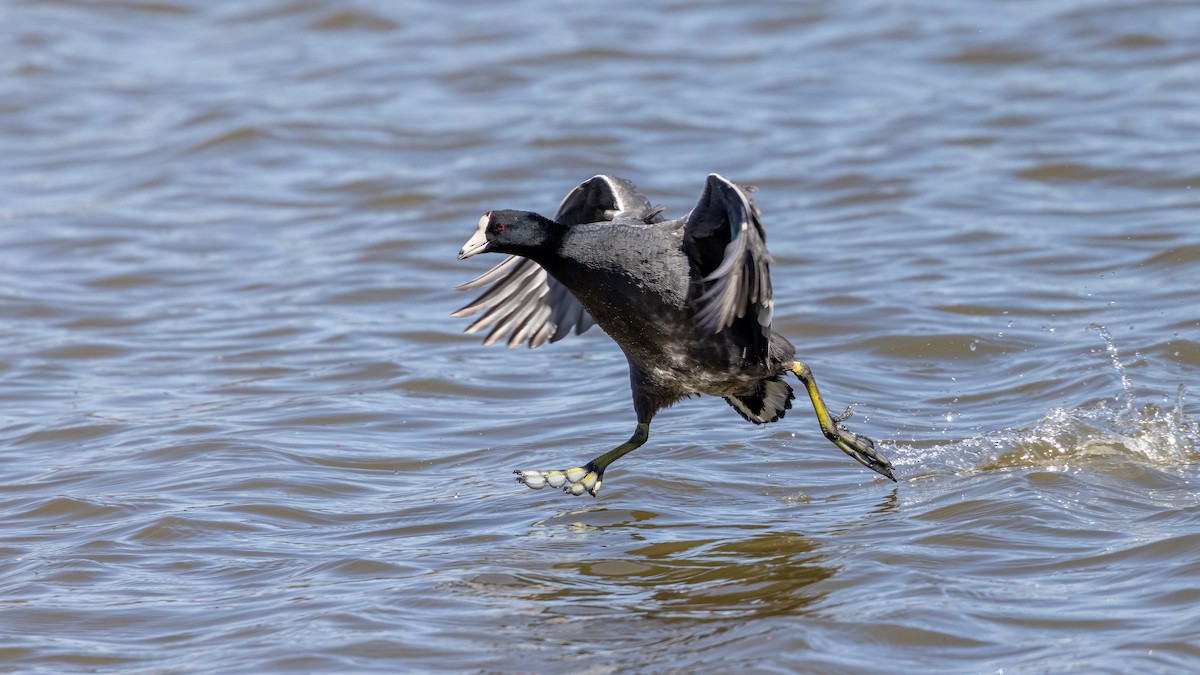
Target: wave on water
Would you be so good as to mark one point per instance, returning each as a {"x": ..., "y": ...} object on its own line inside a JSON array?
[{"x": 1118, "y": 429}]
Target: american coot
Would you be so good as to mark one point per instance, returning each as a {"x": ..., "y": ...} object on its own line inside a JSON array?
[{"x": 688, "y": 301}]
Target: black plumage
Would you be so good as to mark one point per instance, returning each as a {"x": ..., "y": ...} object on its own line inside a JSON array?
[{"x": 689, "y": 301}]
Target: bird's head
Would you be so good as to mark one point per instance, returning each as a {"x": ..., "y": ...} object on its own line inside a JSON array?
[{"x": 519, "y": 232}]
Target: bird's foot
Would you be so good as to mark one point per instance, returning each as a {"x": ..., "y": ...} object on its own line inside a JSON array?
[
  {"x": 860, "y": 448},
  {"x": 572, "y": 481}
]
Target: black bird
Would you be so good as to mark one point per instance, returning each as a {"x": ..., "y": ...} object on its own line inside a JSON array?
[{"x": 688, "y": 301}]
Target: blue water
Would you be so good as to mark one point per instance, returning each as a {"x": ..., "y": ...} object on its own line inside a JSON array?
[{"x": 241, "y": 432}]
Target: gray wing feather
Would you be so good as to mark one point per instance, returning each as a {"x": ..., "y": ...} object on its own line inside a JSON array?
[
  {"x": 601, "y": 198},
  {"x": 525, "y": 304},
  {"x": 741, "y": 284}
]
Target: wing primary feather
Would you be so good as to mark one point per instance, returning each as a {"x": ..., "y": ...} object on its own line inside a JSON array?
[
  {"x": 490, "y": 275},
  {"x": 508, "y": 315},
  {"x": 738, "y": 284}
]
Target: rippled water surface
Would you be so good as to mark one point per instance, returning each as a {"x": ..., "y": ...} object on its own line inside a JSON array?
[{"x": 240, "y": 431}]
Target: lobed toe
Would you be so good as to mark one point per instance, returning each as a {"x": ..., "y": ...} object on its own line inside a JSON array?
[{"x": 574, "y": 481}]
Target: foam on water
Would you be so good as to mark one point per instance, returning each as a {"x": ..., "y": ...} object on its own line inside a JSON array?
[{"x": 1112, "y": 429}]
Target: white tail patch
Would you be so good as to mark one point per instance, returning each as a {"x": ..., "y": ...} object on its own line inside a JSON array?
[{"x": 768, "y": 403}]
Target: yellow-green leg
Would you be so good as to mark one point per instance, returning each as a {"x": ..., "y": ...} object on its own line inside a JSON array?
[
  {"x": 859, "y": 447},
  {"x": 586, "y": 478}
]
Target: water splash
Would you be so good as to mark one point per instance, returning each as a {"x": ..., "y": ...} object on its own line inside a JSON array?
[
  {"x": 1115, "y": 357},
  {"x": 1159, "y": 435}
]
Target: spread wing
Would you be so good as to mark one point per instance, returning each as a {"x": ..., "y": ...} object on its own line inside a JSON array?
[
  {"x": 525, "y": 304},
  {"x": 725, "y": 240},
  {"x": 601, "y": 198}
]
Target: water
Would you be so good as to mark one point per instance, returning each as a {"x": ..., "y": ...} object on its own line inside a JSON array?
[{"x": 241, "y": 432}]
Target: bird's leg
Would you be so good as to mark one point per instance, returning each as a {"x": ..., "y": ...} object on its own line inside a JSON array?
[
  {"x": 589, "y": 476},
  {"x": 859, "y": 447}
]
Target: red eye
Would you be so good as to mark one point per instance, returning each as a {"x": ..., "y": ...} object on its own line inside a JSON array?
[{"x": 500, "y": 227}]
